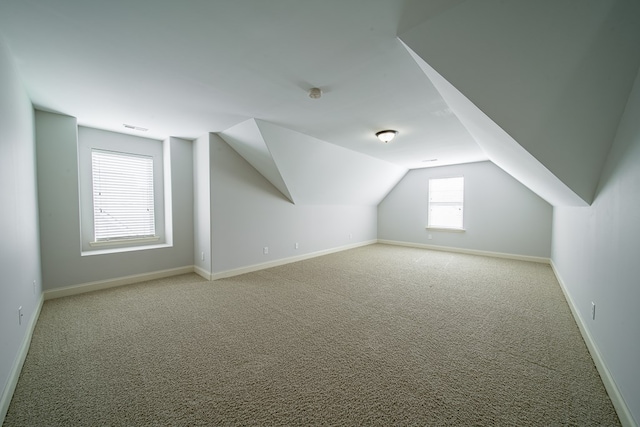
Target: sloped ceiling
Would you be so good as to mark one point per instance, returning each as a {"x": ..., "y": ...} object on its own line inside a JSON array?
[
  {"x": 501, "y": 148},
  {"x": 247, "y": 140},
  {"x": 537, "y": 86},
  {"x": 554, "y": 75},
  {"x": 310, "y": 171}
]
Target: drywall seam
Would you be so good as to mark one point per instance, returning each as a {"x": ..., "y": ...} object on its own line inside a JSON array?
[
  {"x": 530, "y": 258},
  {"x": 626, "y": 418},
  {"x": 112, "y": 283},
  {"x": 289, "y": 260},
  {"x": 14, "y": 375}
]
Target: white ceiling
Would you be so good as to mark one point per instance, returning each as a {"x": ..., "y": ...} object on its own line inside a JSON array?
[
  {"x": 187, "y": 68},
  {"x": 540, "y": 84}
]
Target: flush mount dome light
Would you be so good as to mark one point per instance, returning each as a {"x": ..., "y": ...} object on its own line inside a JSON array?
[{"x": 386, "y": 135}]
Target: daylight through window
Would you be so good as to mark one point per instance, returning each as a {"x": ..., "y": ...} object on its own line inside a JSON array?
[
  {"x": 446, "y": 199},
  {"x": 123, "y": 204}
]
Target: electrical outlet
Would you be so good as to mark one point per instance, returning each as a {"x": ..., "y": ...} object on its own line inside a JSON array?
[
  {"x": 202, "y": 256},
  {"x": 265, "y": 250},
  {"x": 593, "y": 310},
  {"x": 429, "y": 236},
  {"x": 350, "y": 236},
  {"x": 296, "y": 245},
  {"x": 20, "y": 315}
]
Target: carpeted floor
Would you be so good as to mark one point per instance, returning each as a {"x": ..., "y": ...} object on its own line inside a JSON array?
[{"x": 378, "y": 335}]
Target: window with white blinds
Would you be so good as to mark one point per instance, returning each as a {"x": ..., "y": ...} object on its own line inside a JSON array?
[
  {"x": 123, "y": 198},
  {"x": 446, "y": 200}
]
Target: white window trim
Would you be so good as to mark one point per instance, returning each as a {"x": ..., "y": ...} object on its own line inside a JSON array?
[
  {"x": 89, "y": 139},
  {"x": 454, "y": 230},
  {"x": 460, "y": 229},
  {"x": 119, "y": 242},
  {"x": 105, "y": 251}
]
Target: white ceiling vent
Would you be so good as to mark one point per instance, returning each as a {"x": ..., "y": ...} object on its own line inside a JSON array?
[{"x": 135, "y": 127}]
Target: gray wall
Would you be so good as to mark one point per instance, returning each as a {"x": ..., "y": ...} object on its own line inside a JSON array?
[
  {"x": 62, "y": 263},
  {"x": 249, "y": 213},
  {"x": 596, "y": 252},
  {"x": 500, "y": 214},
  {"x": 19, "y": 246}
]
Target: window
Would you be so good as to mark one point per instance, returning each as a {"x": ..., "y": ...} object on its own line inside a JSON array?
[
  {"x": 123, "y": 203},
  {"x": 446, "y": 199},
  {"x": 125, "y": 192}
]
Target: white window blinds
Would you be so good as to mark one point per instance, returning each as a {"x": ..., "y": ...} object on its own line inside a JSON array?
[
  {"x": 446, "y": 199},
  {"x": 122, "y": 196}
]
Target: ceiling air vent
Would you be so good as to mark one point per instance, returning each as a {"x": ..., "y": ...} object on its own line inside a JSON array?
[{"x": 135, "y": 127}]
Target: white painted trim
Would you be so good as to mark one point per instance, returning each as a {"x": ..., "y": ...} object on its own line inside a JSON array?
[
  {"x": 626, "y": 418},
  {"x": 121, "y": 241},
  {"x": 202, "y": 272},
  {"x": 124, "y": 249},
  {"x": 14, "y": 374},
  {"x": 112, "y": 283},
  {"x": 467, "y": 251},
  {"x": 453, "y": 230},
  {"x": 283, "y": 261}
]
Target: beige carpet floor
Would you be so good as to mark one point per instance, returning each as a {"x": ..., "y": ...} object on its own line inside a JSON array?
[{"x": 378, "y": 335}]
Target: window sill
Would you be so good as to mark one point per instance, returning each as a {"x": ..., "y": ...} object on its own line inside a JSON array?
[
  {"x": 113, "y": 250},
  {"x": 452, "y": 230},
  {"x": 120, "y": 242}
]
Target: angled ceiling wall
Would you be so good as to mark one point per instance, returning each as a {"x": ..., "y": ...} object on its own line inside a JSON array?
[
  {"x": 499, "y": 146},
  {"x": 554, "y": 75},
  {"x": 309, "y": 171},
  {"x": 247, "y": 140}
]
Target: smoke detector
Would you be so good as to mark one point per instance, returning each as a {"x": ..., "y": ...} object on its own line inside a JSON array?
[{"x": 315, "y": 93}]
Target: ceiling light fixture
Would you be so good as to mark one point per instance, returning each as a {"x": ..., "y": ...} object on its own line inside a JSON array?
[
  {"x": 386, "y": 135},
  {"x": 315, "y": 93}
]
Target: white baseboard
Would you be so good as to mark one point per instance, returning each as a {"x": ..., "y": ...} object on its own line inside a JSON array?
[
  {"x": 128, "y": 280},
  {"x": 112, "y": 283},
  {"x": 10, "y": 387},
  {"x": 626, "y": 418},
  {"x": 283, "y": 261},
  {"x": 467, "y": 251},
  {"x": 202, "y": 272}
]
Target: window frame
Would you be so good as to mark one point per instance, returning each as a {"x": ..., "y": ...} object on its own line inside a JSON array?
[
  {"x": 441, "y": 227},
  {"x": 90, "y": 139},
  {"x": 101, "y": 158}
]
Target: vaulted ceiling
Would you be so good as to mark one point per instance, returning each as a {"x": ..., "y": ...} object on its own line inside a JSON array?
[{"x": 537, "y": 87}]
